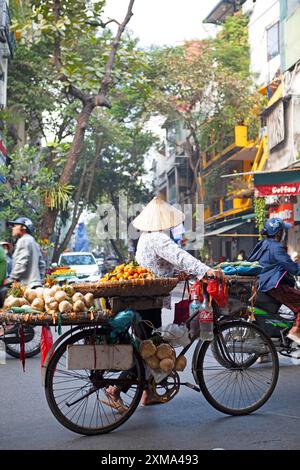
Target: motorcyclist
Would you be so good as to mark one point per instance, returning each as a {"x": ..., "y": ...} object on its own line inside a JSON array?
[
  {"x": 28, "y": 263},
  {"x": 276, "y": 278}
]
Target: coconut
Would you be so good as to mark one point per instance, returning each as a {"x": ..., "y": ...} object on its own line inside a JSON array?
[
  {"x": 40, "y": 292},
  {"x": 38, "y": 304},
  {"x": 180, "y": 363},
  {"x": 164, "y": 351},
  {"x": 48, "y": 293},
  {"x": 53, "y": 306},
  {"x": 30, "y": 294},
  {"x": 60, "y": 296},
  {"x": 12, "y": 302},
  {"x": 23, "y": 301},
  {"x": 89, "y": 300},
  {"x": 147, "y": 349},
  {"x": 77, "y": 296},
  {"x": 65, "y": 307},
  {"x": 79, "y": 306},
  {"x": 166, "y": 365},
  {"x": 152, "y": 362},
  {"x": 55, "y": 289}
]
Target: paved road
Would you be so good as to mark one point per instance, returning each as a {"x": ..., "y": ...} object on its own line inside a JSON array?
[{"x": 187, "y": 422}]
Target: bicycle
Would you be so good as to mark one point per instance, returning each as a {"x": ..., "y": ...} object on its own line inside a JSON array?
[{"x": 225, "y": 370}]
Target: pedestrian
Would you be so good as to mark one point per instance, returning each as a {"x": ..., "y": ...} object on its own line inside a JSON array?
[
  {"x": 28, "y": 263},
  {"x": 241, "y": 256},
  {"x": 159, "y": 253},
  {"x": 8, "y": 248}
]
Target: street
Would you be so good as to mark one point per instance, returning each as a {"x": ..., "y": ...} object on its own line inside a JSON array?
[{"x": 185, "y": 423}]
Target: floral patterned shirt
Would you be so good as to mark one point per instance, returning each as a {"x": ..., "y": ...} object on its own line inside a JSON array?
[{"x": 157, "y": 252}]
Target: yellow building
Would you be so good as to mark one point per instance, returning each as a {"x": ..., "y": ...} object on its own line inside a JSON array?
[{"x": 226, "y": 180}]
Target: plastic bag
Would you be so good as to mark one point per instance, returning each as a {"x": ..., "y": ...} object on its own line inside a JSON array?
[
  {"x": 217, "y": 289},
  {"x": 46, "y": 342},
  {"x": 175, "y": 335}
]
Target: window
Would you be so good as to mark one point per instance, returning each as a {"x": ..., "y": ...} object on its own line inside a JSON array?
[{"x": 273, "y": 41}]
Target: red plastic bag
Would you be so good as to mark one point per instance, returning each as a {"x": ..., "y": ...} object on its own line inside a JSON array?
[
  {"x": 46, "y": 342},
  {"x": 217, "y": 289}
]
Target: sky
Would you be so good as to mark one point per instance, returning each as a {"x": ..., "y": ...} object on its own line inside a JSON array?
[{"x": 165, "y": 22}]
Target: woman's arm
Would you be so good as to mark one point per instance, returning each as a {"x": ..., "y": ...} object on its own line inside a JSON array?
[{"x": 167, "y": 249}]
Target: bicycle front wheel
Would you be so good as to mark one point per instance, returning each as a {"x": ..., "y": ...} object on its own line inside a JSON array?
[
  {"x": 79, "y": 399},
  {"x": 229, "y": 373}
]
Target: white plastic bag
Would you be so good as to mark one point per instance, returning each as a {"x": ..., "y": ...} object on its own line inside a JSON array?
[{"x": 175, "y": 335}]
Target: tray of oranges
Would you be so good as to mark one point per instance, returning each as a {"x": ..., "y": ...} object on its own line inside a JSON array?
[{"x": 128, "y": 280}]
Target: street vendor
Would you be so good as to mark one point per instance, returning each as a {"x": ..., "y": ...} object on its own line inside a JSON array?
[{"x": 159, "y": 253}]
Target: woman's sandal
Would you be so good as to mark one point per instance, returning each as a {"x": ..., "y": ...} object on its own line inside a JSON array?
[{"x": 116, "y": 404}]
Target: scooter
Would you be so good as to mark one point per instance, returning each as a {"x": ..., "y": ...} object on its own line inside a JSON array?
[{"x": 276, "y": 320}]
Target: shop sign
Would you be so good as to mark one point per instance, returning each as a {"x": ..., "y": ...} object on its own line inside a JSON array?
[
  {"x": 278, "y": 189},
  {"x": 284, "y": 212}
]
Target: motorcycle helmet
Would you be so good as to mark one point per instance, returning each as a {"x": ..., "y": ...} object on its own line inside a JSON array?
[
  {"x": 274, "y": 225},
  {"x": 23, "y": 221}
]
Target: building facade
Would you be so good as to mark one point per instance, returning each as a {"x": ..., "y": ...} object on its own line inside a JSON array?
[{"x": 7, "y": 45}]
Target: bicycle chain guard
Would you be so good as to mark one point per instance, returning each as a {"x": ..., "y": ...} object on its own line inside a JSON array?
[{"x": 166, "y": 389}]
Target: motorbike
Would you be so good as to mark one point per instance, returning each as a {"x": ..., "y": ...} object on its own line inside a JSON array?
[
  {"x": 273, "y": 317},
  {"x": 276, "y": 320}
]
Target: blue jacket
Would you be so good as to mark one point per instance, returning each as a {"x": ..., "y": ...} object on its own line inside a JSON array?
[{"x": 275, "y": 262}]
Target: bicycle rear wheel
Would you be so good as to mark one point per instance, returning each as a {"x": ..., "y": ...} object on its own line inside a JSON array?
[
  {"x": 228, "y": 372},
  {"x": 77, "y": 398}
]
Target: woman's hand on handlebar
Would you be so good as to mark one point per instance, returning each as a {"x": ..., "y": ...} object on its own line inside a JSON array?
[{"x": 213, "y": 273}]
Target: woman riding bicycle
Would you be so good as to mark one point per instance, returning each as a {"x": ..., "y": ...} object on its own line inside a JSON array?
[{"x": 275, "y": 278}]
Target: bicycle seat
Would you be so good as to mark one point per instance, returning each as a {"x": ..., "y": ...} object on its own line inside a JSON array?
[{"x": 267, "y": 303}]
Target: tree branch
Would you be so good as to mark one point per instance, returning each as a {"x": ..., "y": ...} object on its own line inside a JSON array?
[
  {"x": 57, "y": 60},
  {"x": 109, "y": 65},
  {"x": 102, "y": 24}
]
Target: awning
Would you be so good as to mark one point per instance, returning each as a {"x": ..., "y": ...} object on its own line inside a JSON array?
[
  {"x": 277, "y": 183},
  {"x": 223, "y": 9},
  {"x": 227, "y": 228}
]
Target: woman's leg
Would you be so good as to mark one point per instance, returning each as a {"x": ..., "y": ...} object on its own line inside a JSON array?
[
  {"x": 152, "y": 316},
  {"x": 291, "y": 298}
]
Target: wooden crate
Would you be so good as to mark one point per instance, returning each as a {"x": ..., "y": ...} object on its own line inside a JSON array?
[{"x": 118, "y": 304}]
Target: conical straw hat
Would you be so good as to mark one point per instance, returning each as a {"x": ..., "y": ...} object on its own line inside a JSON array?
[{"x": 158, "y": 215}]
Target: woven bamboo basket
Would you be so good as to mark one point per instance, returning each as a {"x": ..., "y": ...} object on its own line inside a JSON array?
[{"x": 130, "y": 288}]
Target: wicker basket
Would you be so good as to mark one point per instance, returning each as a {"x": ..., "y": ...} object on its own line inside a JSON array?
[
  {"x": 130, "y": 288},
  {"x": 73, "y": 318}
]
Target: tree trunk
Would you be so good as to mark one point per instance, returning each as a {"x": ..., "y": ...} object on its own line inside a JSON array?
[
  {"x": 49, "y": 219},
  {"x": 77, "y": 143}
]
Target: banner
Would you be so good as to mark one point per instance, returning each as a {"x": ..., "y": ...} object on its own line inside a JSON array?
[
  {"x": 284, "y": 211},
  {"x": 277, "y": 189}
]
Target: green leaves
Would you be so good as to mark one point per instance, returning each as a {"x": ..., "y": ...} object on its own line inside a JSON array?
[{"x": 57, "y": 197}]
